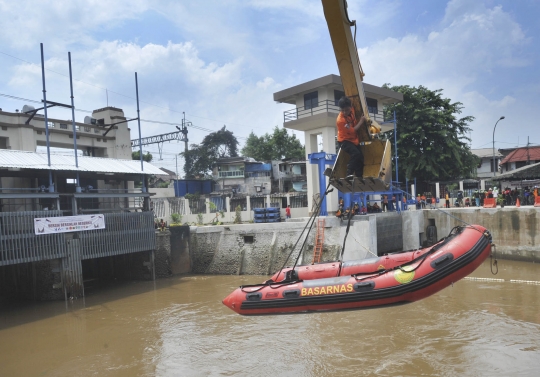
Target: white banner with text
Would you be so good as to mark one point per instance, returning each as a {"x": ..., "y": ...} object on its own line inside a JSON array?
[{"x": 50, "y": 225}]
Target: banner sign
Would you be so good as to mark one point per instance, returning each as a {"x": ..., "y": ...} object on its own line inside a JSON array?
[{"x": 50, "y": 225}]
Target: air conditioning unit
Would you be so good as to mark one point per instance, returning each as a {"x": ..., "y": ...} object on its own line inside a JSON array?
[
  {"x": 89, "y": 120},
  {"x": 27, "y": 108}
]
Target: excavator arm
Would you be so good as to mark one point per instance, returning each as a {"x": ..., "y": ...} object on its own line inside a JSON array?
[
  {"x": 350, "y": 69},
  {"x": 377, "y": 153}
]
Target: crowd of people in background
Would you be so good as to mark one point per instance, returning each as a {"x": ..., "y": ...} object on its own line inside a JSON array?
[{"x": 506, "y": 196}]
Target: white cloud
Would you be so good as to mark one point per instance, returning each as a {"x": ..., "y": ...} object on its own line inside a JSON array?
[
  {"x": 472, "y": 46},
  {"x": 25, "y": 23}
]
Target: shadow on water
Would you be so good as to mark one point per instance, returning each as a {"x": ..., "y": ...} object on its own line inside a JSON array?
[{"x": 16, "y": 312}]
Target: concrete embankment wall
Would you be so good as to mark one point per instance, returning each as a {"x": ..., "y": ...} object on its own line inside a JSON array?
[
  {"x": 262, "y": 249},
  {"x": 515, "y": 231}
]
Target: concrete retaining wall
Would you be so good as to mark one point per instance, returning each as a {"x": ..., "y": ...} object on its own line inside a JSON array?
[
  {"x": 262, "y": 249},
  {"x": 515, "y": 231}
]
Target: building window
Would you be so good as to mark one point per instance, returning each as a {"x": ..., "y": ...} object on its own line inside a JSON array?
[
  {"x": 87, "y": 129},
  {"x": 337, "y": 96},
  {"x": 372, "y": 106},
  {"x": 63, "y": 126},
  {"x": 520, "y": 164},
  {"x": 311, "y": 100}
]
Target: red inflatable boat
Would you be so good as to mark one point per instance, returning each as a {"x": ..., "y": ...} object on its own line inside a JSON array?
[{"x": 392, "y": 279}]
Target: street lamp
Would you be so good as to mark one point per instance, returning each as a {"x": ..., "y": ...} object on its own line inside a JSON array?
[{"x": 501, "y": 118}]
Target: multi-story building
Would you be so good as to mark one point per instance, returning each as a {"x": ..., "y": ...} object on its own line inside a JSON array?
[
  {"x": 315, "y": 113},
  {"x": 488, "y": 166},
  {"x": 242, "y": 175},
  {"x": 289, "y": 175},
  {"x": 94, "y": 181},
  {"x": 20, "y": 131},
  {"x": 516, "y": 158}
]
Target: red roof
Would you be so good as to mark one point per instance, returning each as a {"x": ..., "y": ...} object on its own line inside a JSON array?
[{"x": 521, "y": 154}]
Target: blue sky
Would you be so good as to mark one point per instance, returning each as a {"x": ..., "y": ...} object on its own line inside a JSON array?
[{"x": 221, "y": 61}]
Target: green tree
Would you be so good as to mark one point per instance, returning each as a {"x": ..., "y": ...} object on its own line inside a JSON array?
[
  {"x": 137, "y": 156},
  {"x": 275, "y": 146},
  {"x": 200, "y": 159},
  {"x": 432, "y": 139}
]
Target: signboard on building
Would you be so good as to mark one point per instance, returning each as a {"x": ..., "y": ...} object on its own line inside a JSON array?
[{"x": 50, "y": 225}]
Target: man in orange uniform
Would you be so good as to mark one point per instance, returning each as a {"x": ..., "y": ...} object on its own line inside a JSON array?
[{"x": 347, "y": 136}]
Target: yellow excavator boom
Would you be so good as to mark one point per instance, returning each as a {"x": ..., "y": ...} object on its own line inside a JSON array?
[
  {"x": 350, "y": 69},
  {"x": 377, "y": 153}
]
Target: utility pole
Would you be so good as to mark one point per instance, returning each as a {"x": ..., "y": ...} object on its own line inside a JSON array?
[
  {"x": 184, "y": 129},
  {"x": 176, "y": 167},
  {"x": 528, "y": 156}
]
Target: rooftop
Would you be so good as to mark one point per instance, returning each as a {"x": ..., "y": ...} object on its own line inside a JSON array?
[
  {"x": 523, "y": 173},
  {"x": 289, "y": 95},
  {"x": 485, "y": 152},
  {"x": 11, "y": 159},
  {"x": 523, "y": 154}
]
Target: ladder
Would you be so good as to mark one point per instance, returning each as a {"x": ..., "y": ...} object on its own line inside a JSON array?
[{"x": 319, "y": 242}]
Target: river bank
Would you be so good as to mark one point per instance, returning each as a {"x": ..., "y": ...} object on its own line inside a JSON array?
[{"x": 261, "y": 249}]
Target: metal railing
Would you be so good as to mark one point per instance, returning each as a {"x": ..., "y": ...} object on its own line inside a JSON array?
[
  {"x": 257, "y": 202},
  {"x": 20, "y": 244},
  {"x": 235, "y": 202},
  {"x": 197, "y": 206},
  {"x": 177, "y": 205},
  {"x": 124, "y": 233},
  {"x": 326, "y": 106},
  {"x": 299, "y": 201}
]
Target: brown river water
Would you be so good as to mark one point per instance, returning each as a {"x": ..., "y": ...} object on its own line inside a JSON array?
[{"x": 178, "y": 327}]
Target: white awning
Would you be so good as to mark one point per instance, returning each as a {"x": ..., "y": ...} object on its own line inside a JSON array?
[{"x": 31, "y": 160}]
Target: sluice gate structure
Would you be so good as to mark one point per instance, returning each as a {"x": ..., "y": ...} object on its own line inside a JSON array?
[{"x": 55, "y": 266}]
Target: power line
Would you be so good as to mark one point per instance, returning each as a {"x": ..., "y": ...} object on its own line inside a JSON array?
[
  {"x": 142, "y": 120},
  {"x": 126, "y": 96}
]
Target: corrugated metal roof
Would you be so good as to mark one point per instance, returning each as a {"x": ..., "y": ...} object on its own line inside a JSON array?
[{"x": 33, "y": 160}]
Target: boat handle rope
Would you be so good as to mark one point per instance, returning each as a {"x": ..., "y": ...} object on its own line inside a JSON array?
[
  {"x": 421, "y": 258},
  {"x": 493, "y": 259},
  {"x": 310, "y": 222},
  {"x": 493, "y": 255},
  {"x": 272, "y": 285}
]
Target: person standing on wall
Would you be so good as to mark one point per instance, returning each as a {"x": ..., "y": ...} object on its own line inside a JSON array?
[
  {"x": 288, "y": 211},
  {"x": 447, "y": 200},
  {"x": 385, "y": 203},
  {"x": 476, "y": 197},
  {"x": 347, "y": 137}
]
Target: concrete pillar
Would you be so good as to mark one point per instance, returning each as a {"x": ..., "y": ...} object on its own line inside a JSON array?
[
  {"x": 461, "y": 185},
  {"x": 228, "y": 204},
  {"x": 207, "y": 206},
  {"x": 288, "y": 199},
  {"x": 248, "y": 208},
  {"x": 186, "y": 207},
  {"x": 329, "y": 146},
  {"x": 413, "y": 191},
  {"x": 311, "y": 170},
  {"x": 483, "y": 185},
  {"x": 268, "y": 201},
  {"x": 437, "y": 190},
  {"x": 72, "y": 276}
]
